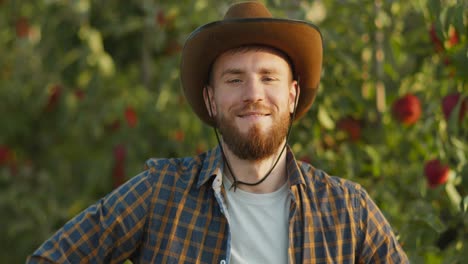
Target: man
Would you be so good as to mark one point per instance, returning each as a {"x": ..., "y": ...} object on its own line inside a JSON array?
[{"x": 248, "y": 200}]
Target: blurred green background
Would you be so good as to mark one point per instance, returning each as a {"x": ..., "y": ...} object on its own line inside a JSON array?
[{"x": 90, "y": 89}]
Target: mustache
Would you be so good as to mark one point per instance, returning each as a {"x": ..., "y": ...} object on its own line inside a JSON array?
[{"x": 256, "y": 107}]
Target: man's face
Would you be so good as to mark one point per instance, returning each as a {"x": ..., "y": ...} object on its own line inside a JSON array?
[{"x": 252, "y": 95}]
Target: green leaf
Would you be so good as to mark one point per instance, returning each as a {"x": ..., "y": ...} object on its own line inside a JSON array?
[
  {"x": 434, "y": 7},
  {"x": 325, "y": 119},
  {"x": 465, "y": 204},
  {"x": 426, "y": 215},
  {"x": 453, "y": 195},
  {"x": 375, "y": 157},
  {"x": 456, "y": 18}
]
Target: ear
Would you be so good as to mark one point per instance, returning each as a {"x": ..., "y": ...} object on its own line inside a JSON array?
[
  {"x": 293, "y": 90},
  {"x": 208, "y": 97}
]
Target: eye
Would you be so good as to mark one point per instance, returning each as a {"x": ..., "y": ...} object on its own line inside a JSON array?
[
  {"x": 234, "y": 81},
  {"x": 269, "y": 79}
]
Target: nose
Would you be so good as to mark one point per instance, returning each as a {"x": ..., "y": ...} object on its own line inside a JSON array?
[{"x": 253, "y": 91}]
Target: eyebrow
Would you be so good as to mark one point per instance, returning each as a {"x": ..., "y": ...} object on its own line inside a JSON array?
[
  {"x": 232, "y": 71},
  {"x": 269, "y": 70},
  {"x": 237, "y": 71}
]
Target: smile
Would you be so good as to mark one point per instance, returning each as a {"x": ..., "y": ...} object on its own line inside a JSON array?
[{"x": 253, "y": 114}]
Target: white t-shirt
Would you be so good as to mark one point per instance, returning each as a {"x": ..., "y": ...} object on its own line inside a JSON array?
[{"x": 259, "y": 225}]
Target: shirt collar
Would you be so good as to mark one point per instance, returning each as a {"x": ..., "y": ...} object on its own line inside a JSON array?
[
  {"x": 213, "y": 163},
  {"x": 295, "y": 176}
]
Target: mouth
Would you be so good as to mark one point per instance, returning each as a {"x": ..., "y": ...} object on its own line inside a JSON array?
[{"x": 253, "y": 114}]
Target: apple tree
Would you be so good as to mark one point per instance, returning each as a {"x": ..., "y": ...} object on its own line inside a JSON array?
[{"x": 90, "y": 89}]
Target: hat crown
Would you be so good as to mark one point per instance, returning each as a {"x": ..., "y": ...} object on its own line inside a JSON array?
[{"x": 247, "y": 10}]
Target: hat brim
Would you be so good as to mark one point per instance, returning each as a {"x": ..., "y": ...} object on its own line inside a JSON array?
[{"x": 300, "y": 40}]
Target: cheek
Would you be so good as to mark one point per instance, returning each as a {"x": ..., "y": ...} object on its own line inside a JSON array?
[
  {"x": 220, "y": 106},
  {"x": 282, "y": 102},
  {"x": 224, "y": 102}
]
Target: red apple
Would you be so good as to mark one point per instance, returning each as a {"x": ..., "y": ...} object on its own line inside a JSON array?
[
  {"x": 118, "y": 175},
  {"x": 407, "y": 109},
  {"x": 120, "y": 152},
  {"x": 131, "y": 116},
  {"x": 179, "y": 135},
  {"x": 436, "y": 173},
  {"x": 5, "y": 154},
  {"x": 79, "y": 94},
  {"x": 161, "y": 18},
  {"x": 450, "y": 101},
  {"x": 118, "y": 171},
  {"x": 351, "y": 126},
  {"x": 22, "y": 27},
  {"x": 113, "y": 126},
  {"x": 438, "y": 45},
  {"x": 453, "y": 37},
  {"x": 447, "y": 61},
  {"x": 54, "y": 95}
]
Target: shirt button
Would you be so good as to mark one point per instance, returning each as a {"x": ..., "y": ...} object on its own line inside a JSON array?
[{"x": 217, "y": 183}]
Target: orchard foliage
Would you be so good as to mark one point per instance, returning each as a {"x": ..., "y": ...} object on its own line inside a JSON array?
[{"x": 90, "y": 89}]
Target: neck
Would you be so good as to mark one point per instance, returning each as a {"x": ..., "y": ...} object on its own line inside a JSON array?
[{"x": 253, "y": 171}]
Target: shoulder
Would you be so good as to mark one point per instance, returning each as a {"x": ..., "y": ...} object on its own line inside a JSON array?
[
  {"x": 171, "y": 170},
  {"x": 174, "y": 163},
  {"x": 321, "y": 183}
]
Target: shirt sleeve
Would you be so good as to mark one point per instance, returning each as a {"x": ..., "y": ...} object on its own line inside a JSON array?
[
  {"x": 379, "y": 244},
  {"x": 109, "y": 231}
]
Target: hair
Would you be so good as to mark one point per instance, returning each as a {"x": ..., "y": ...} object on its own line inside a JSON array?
[{"x": 253, "y": 47}]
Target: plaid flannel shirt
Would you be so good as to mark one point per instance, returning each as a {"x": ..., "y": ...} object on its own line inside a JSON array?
[{"x": 173, "y": 213}]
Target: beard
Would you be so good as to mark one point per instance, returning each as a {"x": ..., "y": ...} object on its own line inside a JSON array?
[{"x": 255, "y": 145}]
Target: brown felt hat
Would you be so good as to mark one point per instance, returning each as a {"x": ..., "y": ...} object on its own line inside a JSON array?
[{"x": 250, "y": 23}]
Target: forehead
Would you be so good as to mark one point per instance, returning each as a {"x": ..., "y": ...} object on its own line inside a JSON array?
[{"x": 237, "y": 56}]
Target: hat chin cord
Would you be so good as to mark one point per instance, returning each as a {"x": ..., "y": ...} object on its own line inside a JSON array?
[{"x": 237, "y": 182}]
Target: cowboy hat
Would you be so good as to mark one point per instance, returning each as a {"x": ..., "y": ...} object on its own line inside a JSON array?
[{"x": 250, "y": 23}]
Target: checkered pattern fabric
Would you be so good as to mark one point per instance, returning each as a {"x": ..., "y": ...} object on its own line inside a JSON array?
[{"x": 172, "y": 213}]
